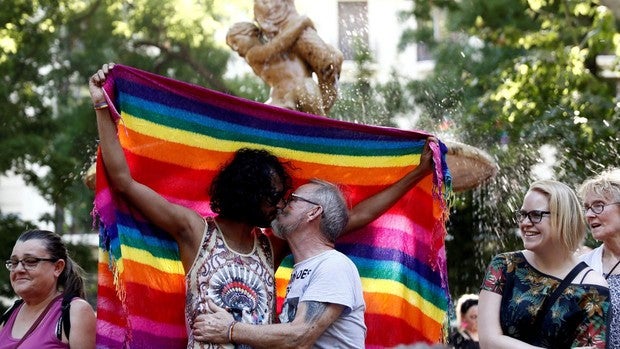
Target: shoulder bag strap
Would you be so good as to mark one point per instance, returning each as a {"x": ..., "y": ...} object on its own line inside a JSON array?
[
  {"x": 509, "y": 282},
  {"x": 64, "y": 322},
  {"x": 556, "y": 294}
]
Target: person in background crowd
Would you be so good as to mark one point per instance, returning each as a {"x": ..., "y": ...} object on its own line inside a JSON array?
[
  {"x": 543, "y": 296},
  {"x": 601, "y": 206},
  {"x": 466, "y": 334},
  {"x": 45, "y": 277}
]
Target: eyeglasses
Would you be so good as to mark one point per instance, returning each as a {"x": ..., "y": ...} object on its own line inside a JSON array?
[
  {"x": 297, "y": 197},
  {"x": 29, "y": 263},
  {"x": 598, "y": 207},
  {"x": 535, "y": 216}
]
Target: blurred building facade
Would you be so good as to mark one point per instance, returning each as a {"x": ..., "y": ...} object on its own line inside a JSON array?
[
  {"x": 374, "y": 24},
  {"x": 18, "y": 198}
]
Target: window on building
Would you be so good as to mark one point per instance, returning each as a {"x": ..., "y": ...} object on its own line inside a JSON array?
[
  {"x": 352, "y": 27},
  {"x": 423, "y": 53},
  {"x": 438, "y": 17}
]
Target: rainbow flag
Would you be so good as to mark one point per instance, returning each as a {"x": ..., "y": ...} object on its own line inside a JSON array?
[{"x": 176, "y": 136}]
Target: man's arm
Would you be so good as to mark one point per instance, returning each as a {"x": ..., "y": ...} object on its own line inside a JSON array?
[
  {"x": 311, "y": 320},
  {"x": 374, "y": 206},
  {"x": 280, "y": 43}
]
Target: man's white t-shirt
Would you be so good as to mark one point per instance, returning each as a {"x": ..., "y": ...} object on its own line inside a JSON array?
[{"x": 330, "y": 277}]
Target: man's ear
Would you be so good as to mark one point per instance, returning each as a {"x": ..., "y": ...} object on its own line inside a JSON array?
[{"x": 316, "y": 212}]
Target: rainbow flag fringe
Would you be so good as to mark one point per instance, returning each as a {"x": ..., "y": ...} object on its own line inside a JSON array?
[{"x": 176, "y": 136}]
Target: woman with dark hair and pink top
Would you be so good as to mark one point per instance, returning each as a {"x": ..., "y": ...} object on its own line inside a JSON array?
[{"x": 51, "y": 312}]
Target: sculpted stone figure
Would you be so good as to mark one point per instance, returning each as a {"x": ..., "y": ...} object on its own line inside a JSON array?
[
  {"x": 324, "y": 60},
  {"x": 289, "y": 77}
]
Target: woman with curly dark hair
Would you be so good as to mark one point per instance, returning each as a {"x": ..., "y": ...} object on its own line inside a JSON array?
[
  {"x": 229, "y": 258},
  {"x": 250, "y": 179}
]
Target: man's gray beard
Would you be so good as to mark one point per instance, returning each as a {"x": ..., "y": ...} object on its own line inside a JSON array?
[
  {"x": 276, "y": 228},
  {"x": 281, "y": 230}
]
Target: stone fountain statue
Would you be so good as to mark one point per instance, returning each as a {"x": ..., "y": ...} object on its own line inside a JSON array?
[{"x": 285, "y": 50}]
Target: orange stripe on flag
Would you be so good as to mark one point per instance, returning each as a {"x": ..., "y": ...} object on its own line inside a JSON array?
[{"x": 387, "y": 304}]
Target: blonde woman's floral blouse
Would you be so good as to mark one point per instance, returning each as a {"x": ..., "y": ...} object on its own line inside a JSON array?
[{"x": 579, "y": 317}]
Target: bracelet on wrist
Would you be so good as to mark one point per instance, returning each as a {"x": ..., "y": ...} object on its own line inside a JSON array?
[
  {"x": 101, "y": 105},
  {"x": 231, "y": 329}
]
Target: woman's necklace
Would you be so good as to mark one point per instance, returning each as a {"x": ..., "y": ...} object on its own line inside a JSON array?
[{"x": 612, "y": 269}]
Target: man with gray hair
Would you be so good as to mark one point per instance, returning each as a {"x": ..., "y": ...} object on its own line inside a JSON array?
[{"x": 324, "y": 305}]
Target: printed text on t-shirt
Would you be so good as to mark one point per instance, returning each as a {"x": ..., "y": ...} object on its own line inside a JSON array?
[{"x": 301, "y": 274}]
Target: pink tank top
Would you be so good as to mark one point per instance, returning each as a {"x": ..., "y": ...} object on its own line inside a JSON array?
[{"x": 43, "y": 337}]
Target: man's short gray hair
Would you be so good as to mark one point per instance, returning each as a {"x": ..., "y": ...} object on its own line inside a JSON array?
[{"x": 335, "y": 212}]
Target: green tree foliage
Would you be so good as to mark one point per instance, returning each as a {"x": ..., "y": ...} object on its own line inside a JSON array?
[
  {"x": 49, "y": 49},
  {"x": 514, "y": 77}
]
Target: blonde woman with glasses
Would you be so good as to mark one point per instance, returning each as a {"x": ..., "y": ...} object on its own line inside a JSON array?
[
  {"x": 543, "y": 296},
  {"x": 601, "y": 206}
]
